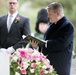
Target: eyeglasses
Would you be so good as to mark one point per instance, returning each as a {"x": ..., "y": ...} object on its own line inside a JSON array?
[{"x": 12, "y": 3}]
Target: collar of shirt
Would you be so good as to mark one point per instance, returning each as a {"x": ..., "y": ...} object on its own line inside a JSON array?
[{"x": 13, "y": 16}]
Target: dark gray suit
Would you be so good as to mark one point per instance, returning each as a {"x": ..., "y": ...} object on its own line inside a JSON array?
[
  {"x": 14, "y": 36},
  {"x": 60, "y": 45}
]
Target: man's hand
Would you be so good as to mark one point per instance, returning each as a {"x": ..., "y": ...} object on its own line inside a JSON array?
[
  {"x": 34, "y": 43},
  {"x": 10, "y": 50}
]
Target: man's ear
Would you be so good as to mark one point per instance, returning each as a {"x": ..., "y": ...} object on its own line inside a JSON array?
[{"x": 58, "y": 13}]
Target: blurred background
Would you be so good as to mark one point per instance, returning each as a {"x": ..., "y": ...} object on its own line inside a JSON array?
[{"x": 30, "y": 8}]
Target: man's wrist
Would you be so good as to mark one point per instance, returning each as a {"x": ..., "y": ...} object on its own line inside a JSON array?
[
  {"x": 46, "y": 43},
  {"x": 36, "y": 48},
  {"x": 10, "y": 49}
]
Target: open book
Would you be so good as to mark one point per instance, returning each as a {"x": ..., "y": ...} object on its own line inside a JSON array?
[{"x": 40, "y": 41}]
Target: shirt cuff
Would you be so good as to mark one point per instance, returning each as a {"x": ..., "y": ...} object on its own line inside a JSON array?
[
  {"x": 36, "y": 48},
  {"x": 10, "y": 49},
  {"x": 46, "y": 44}
]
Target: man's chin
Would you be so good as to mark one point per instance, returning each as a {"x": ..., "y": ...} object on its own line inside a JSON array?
[{"x": 12, "y": 10}]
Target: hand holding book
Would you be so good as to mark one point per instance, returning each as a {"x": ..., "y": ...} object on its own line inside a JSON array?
[
  {"x": 35, "y": 40},
  {"x": 34, "y": 43}
]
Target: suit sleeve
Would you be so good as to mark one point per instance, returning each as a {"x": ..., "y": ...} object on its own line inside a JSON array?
[
  {"x": 26, "y": 28},
  {"x": 64, "y": 40},
  {"x": 25, "y": 31}
]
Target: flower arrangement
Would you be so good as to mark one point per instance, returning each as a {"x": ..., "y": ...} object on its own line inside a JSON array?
[
  {"x": 17, "y": 19},
  {"x": 26, "y": 61}
]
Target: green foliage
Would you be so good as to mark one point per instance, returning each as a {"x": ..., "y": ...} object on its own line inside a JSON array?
[{"x": 14, "y": 68}]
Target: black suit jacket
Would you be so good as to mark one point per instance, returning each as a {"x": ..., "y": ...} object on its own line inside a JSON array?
[
  {"x": 60, "y": 46},
  {"x": 14, "y": 36}
]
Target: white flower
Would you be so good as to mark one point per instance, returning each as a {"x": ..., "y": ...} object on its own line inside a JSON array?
[
  {"x": 15, "y": 58},
  {"x": 44, "y": 67},
  {"x": 32, "y": 70},
  {"x": 26, "y": 64},
  {"x": 46, "y": 72},
  {"x": 16, "y": 73}
]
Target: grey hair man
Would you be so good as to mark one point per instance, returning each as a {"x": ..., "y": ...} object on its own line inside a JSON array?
[{"x": 59, "y": 39}]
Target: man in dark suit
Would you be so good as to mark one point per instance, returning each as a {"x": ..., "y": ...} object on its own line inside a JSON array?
[
  {"x": 12, "y": 27},
  {"x": 59, "y": 40}
]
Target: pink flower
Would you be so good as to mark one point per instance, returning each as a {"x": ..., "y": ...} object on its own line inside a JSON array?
[
  {"x": 42, "y": 57},
  {"x": 33, "y": 65},
  {"x": 23, "y": 71},
  {"x": 51, "y": 69},
  {"x": 29, "y": 57},
  {"x": 17, "y": 19},
  {"x": 34, "y": 57},
  {"x": 41, "y": 72},
  {"x": 23, "y": 53}
]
